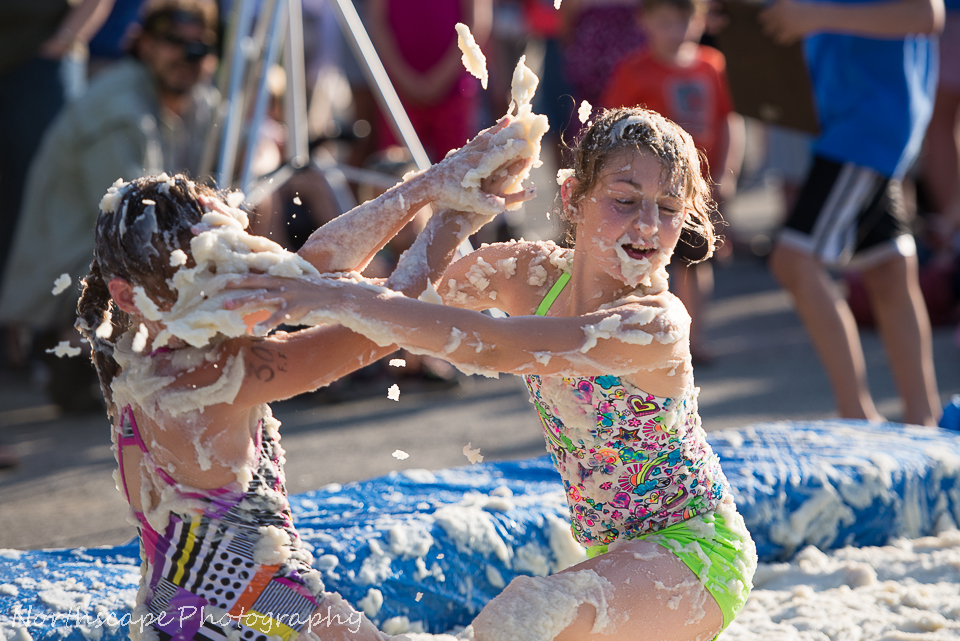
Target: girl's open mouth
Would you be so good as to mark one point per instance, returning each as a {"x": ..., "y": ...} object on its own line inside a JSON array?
[{"x": 637, "y": 253}]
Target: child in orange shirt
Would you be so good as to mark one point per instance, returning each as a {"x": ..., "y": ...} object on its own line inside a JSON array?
[{"x": 687, "y": 83}]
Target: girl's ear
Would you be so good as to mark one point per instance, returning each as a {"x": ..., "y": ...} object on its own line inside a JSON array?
[
  {"x": 566, "y": 195},
  {"x": 122, "y": 294}
]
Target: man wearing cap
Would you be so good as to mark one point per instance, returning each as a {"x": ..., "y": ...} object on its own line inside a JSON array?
[{"x": 146, "y": 114}]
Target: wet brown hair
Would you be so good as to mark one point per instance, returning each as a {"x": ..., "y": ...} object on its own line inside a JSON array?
[
  {"x": 647, "y": 132},
  {"x": 149, "y": 219}
]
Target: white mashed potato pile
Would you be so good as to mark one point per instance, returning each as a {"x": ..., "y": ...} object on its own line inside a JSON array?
[
  {"x": 906, "y": 591},
  {"x": 222, "y": 252},
  {"x": 472, "y": 453},
  {"x": 526, "y": 128},
  {"x": 523, "y": 86},
  {"x": 584, "y": 112},
  {"x": 64, "y": 348}
]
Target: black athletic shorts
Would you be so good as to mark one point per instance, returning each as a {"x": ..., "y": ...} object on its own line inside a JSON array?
[{"x": 846, "y": 210}]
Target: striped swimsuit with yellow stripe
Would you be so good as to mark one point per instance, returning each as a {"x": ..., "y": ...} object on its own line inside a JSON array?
[{"x": 203, "y": 579}]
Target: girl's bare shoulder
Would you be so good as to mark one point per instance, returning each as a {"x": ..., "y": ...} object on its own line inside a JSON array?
[
  {"x": 523, "y": 252},
  {"x": 505, "y": 275},
  {"x": 664, "y": 299}
]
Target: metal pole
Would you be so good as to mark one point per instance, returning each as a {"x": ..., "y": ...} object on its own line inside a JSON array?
[
  {"x": 275, "y": 35},
  {"x": 366, "y": 54},
  {"x": 352, "y": 27},
  {"x": 298, "y": 136},
  {"x": 230, "y": 130},
  {"x": 258, "y": 46},
  {"x": 222, "y": 77}
]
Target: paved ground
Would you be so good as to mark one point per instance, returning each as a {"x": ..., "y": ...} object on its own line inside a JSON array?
[{"x": 63, "y": 494}]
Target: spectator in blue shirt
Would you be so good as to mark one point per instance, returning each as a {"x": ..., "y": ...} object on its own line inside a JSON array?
[{"x": 873, "y": 65}]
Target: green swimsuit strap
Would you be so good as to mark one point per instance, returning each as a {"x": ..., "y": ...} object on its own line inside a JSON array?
[{"x": 553, "y": 294}]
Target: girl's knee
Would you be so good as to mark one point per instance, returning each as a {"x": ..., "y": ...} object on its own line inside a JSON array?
[
  {"x": 637, "y": 588},
  {"x": 543, "y": 609},
  {"x": 786, "y": 264},
  {"x": 335, "y": 620},
  {"x": 656, "y": 587},
  {"x": 892, "y": 281}
]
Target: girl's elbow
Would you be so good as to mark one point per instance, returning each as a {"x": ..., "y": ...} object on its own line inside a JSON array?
[
  {"x": 487, "y": 358},
  {"x": 495, "y": 358},
  {"x": 317, "y": 254}
]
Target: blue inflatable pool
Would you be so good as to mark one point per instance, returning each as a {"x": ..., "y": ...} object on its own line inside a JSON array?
[{"x": 434, "y": 547}]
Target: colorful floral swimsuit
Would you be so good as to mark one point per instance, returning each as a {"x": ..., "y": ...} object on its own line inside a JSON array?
[
  {"x": 202, "y": 575},
  {"x": 638, "y": 466},
  {"x": 631, "y": 463}
]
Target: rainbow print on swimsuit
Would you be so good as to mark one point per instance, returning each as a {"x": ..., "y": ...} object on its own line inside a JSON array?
[{"x": 633, "y": 464}]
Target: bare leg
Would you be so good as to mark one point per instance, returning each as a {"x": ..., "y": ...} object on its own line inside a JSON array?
[
  {"x": 831, "y": 327},
  {"x": 905, "y": 329},
  {"x": 648, "y": 592},
  {"x": 942, "y": 166}
]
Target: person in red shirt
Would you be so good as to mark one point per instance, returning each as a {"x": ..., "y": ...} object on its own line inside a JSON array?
[
  {"x": 686, "y": 82},
  {"x": 417, "y": 42}
]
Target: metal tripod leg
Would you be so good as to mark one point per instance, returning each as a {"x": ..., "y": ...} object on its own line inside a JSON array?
[
  {"x": 285, "y": 20},
  {"x": 383, "y": 90},
  {"x": 233, "y": 101},
  {"x": 275, "y": 33},
  {"x": 295, "y": 101}
]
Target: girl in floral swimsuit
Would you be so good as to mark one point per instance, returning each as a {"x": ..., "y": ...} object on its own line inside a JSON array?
[
  {"x": 604, "y": 350},
  {"x": 198, "y": 451}
]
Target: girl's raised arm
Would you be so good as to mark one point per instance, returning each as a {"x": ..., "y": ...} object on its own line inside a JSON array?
[
  {"x": 349, "y": 242},
  {"x": 426, "y": 261}
]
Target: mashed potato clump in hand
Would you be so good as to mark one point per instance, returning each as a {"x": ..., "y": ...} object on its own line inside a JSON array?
[{"x": 526, "y": 128}]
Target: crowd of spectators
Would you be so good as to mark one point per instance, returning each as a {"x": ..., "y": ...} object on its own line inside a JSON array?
[{"x": 97, "y": 90}]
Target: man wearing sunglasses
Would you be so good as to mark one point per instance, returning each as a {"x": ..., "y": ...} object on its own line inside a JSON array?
[
  {"x": 174, "y": 45},
  {"x": 145, "y": 114}
]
